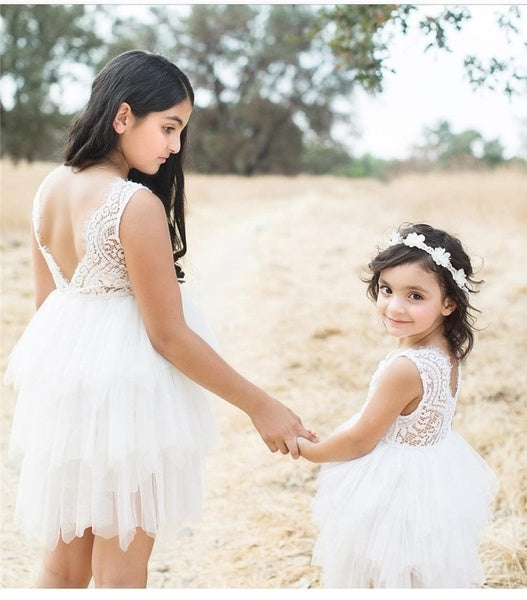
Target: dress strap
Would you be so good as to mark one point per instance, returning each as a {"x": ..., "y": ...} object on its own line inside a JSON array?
[
  {"x": 37, "y": 200},
  {"x": 434, "y": 366},
  {"x": 126, "y": 192}
]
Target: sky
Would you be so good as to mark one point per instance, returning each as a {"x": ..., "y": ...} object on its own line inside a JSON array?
[{"x": 429, "y": 87}]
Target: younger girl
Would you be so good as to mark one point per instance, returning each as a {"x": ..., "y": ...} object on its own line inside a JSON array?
[
  {"x": 109, "y": 419},
  {"x": 404, "y": 499}
]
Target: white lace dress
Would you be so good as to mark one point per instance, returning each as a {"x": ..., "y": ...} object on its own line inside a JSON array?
[
  {"x": 112, "y": 436},
  {"x": 411, "y": 512}
]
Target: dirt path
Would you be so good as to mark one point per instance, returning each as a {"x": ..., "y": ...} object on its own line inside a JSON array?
[
  {"x": 261, "y": 291},
  {"x": 277, "y": 264},
  {"x": 225, "y": 282},
  {"x": 224, "y": 259}
]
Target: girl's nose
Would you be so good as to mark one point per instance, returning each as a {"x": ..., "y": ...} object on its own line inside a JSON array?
[
  {"x": 174, "y": 145},
  {"x": 395, "y": 305}
]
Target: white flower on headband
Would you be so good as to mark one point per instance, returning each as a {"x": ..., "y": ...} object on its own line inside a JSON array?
[
  {"x": 460, "y": 278},
  {"x": 439, "y": 255},
  {"x": 414, "y": 240}
]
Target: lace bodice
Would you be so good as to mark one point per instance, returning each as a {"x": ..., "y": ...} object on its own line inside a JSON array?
[
  {"x": 430, "y": 422},
  {"x": 102, "y": 269}
]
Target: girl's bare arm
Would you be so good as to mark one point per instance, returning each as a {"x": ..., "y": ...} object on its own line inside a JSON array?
[
  {"x": 399, "y": 387},
  {"x": 148, "y": 253}
]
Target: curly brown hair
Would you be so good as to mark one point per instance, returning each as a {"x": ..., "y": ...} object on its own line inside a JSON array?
[{"x": 459, "y": 325}]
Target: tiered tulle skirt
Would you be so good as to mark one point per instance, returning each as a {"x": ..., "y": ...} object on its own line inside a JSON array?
[
  {"x": 404, "y": 516},
  {"x": 112, "y": 436}
]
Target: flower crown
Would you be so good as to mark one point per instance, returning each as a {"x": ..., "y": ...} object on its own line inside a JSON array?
[{"x": 439, "y": 255}]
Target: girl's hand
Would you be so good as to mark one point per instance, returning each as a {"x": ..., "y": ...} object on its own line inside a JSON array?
[
  {"x": 307, "y": 448},
  {"x": 279, "y": 427},
  {"x": 157, "y": 291}
]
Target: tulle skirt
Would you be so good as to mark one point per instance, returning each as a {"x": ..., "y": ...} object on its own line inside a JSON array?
[
  {"x": 112, "y": 436},
  {"x": 404, "y": 516}
]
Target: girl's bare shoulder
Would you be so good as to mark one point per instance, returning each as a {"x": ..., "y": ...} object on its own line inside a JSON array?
[
  {"x": 56, "y": 178},
  {"x": 143, "y": 211}
]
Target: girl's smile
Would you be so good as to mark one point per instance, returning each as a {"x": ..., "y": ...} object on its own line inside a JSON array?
[{"x": 397, "y": 321}]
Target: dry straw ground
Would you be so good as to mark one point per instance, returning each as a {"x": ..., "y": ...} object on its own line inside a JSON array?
[{"x": 277, "y": 262}]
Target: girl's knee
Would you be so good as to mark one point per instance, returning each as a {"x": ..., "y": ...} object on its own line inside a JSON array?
[
  {"x": 120, "y": 576},
  {"x": 63, "y": 576},
  {"x": 68, "y": 565},
  {"x": 113, "y": 568}
]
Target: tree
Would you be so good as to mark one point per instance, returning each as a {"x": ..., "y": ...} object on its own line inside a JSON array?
[
  {"x": 511, "y": 73},
  {"x": 360, "y": 36},
  {"x": 319, "y": 159},
  {"x": 269, "y": 79},
  {"x": 259, "y": 137},
  {"x": 493, "y": 153},
  {"x": 38, "y": 44},
  {"x": 263, "y": 82},
  {"x": 450, "y": 150},
  {"x": 244, "y": 58}
]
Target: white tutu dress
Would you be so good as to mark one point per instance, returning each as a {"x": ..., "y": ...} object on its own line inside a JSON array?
[
  {"x": 412, "y": 511},
  {"x": 113, "y": 437}
]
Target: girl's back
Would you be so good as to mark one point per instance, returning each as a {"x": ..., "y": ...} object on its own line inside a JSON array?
[
  {"x": 102, "y": 408},
  {"x": 66, "y": 200}
]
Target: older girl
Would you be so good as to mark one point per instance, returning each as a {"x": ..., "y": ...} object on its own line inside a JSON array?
[{"x": 110, "y": 420}]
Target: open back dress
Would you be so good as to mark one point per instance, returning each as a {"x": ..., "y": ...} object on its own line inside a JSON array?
[{"x": 112, "y": 436}]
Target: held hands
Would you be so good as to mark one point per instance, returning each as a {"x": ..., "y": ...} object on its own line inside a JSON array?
[
  {"x": 307, "y": 449},
  {"x": 279, "y": 427}
]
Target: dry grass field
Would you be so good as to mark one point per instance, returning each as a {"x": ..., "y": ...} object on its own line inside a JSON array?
[{"x": 277, "y": 264}]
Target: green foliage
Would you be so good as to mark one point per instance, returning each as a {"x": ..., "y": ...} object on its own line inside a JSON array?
[
  {"x": 126, "y": 33},
  {"x": 262, "y": 81},
  {"x": 360, "y": 35},
  {"x": 370, "y": 166},
  {"x": 450, "y": 150},
  {"x": 38, "y": 44},
  {"x": 268, "y": 78},
  {"x": 443, "y": 149},
  {"x": 510, "y": 74},
  {"x": 260, "y": 138},
  {"x": 320, "y": 159},
  {"x": 334, "y": 159},
  {"x": 493, "y": 153}
]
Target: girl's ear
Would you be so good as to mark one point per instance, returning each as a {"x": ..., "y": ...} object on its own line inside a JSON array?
[
  {"x": 122, "y": 118},
  {"x": 449, "y": 306}
]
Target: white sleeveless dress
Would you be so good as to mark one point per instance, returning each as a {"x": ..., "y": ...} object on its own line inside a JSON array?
[
  {"x": 112, "y": 436},
  {"x": 411, "y": 512}
]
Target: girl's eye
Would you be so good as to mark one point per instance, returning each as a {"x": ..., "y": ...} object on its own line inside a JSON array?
[
  {"x": 416, "y": 296},
  {"x": 168, "y": 129},
  {"x": 385, "y": 290}
]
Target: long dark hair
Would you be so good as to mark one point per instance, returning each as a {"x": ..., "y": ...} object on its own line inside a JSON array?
[
  {"x": 458, "y": 327},
  {"x": 148, "y": 83}
]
